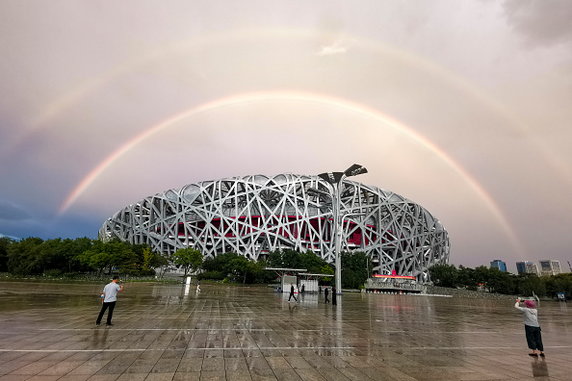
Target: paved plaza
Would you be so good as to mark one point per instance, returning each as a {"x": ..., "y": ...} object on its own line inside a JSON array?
[{"x": 169, "y": 332}]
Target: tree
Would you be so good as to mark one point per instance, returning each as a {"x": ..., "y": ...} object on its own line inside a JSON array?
[
  {"x": 236, "y": 268},
  {"x": 151, "y": 260},
  {"x": 189, "y": 259},
  {"x": 96, "y": 257},
  {"x": 73, "y": 250},
  {"x": 527, "y": 284},
  {"x": 23, "y": 257},
  {"x": 222, "y": 266},
  {"x": 109, "y": 256},
  {"x": 326, "y": 269},
  {"x": 51, "y": 256},
  {"x": 558, "y": 283},
  {"x": 444, "y": 275},
  {"x": 481, "y": 276},
  {"x": 312, "y": 262},
  {"x": 285, "y": 258},
  {"x": 35, "y": 256},
  {"x": 355, "y": 269},
  {"x": 467, "y": 277},
  {"x": 241, "y": 268},
  {"x": 500, "y": 282},
  {"x": 5, "y": 242}
]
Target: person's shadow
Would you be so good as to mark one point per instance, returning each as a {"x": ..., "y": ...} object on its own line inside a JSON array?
[
  {"x": 292, "y": 308},
  {"x": 99, "y": 339},
  {"x": 539, "y": 368}
]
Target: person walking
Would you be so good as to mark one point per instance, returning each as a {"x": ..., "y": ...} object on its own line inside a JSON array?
[
  {"x": 109, "y": 297},
  {"x": 334, "y": 296},
  {"x": 531, "y": 327},
  {"x": 292, "y": 293},
  {"x": 326, "y": 292}
]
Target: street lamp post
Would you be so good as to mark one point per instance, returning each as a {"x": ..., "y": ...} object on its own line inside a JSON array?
[{"x": 336, "y": 179}]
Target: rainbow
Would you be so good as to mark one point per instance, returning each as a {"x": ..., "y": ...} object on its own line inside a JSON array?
[
  {"x": 66, "y": 101},
  {"x": 312, "y": 98}
]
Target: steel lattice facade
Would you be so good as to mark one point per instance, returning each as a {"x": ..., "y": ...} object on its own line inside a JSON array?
[{"x": 255, "y": 215}]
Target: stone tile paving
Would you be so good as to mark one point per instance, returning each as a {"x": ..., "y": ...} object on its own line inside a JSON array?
[{"x": 169, "y": 332}]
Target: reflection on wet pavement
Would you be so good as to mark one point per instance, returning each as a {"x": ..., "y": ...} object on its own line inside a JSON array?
[
  {"x": 539, "y": 368},
  {"x": 171, "y": 332}
]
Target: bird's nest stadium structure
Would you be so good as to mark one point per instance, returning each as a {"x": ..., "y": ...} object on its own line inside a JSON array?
[{"x": 255, "y": 215}]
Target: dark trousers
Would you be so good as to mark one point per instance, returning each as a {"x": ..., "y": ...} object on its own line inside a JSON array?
[
  {"x": 534, "y": 338},
  {"x": 292, "y": 296},
  {"x": 104, "y": 306}
]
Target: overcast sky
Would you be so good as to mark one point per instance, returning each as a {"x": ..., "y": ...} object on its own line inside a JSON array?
[{"x": 461, "y": 106}]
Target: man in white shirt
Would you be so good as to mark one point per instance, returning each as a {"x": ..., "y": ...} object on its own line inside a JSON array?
[{"x": 109, "y": 297}]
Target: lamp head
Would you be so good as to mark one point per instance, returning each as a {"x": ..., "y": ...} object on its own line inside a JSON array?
[
  {"x": 331, "y": 177},
  {"x": 355, "y": 170}
]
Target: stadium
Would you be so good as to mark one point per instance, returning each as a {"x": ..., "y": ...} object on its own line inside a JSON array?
[{"x": 255, "y": 215}]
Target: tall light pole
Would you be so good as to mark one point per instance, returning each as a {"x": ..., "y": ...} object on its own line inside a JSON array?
[{"x": 336, "y": 179}]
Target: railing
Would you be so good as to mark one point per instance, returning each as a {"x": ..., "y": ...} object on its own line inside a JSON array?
[{"x": 393, "y": 285}]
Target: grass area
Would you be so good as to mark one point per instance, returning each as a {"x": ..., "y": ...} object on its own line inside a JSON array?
[{"x": 76, "y": 277}]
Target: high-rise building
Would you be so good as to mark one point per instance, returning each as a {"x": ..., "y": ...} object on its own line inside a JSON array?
[
  {"x": 549, "y": 267},
  {"x": 498, "y": 264},
  {"x": 526, "y": 267}
]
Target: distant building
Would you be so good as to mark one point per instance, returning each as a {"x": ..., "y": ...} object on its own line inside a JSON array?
[
  {"x": 526, "y": 268},
  {"x": 498, "y": 264},
  {"x": 549, "y": 267}
]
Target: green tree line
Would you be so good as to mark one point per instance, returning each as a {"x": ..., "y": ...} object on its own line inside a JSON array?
[
  {"x": 55, "y": 257},
  {"x": 494, "y": 280}
]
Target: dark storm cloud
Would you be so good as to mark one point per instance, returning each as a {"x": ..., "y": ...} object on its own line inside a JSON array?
[
  {"x": 541, "y": 22},
  {"x": 12, "y": 212}
]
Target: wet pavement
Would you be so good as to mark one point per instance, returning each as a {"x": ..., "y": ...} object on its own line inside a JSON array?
[{"x": 169, "y": 332}]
